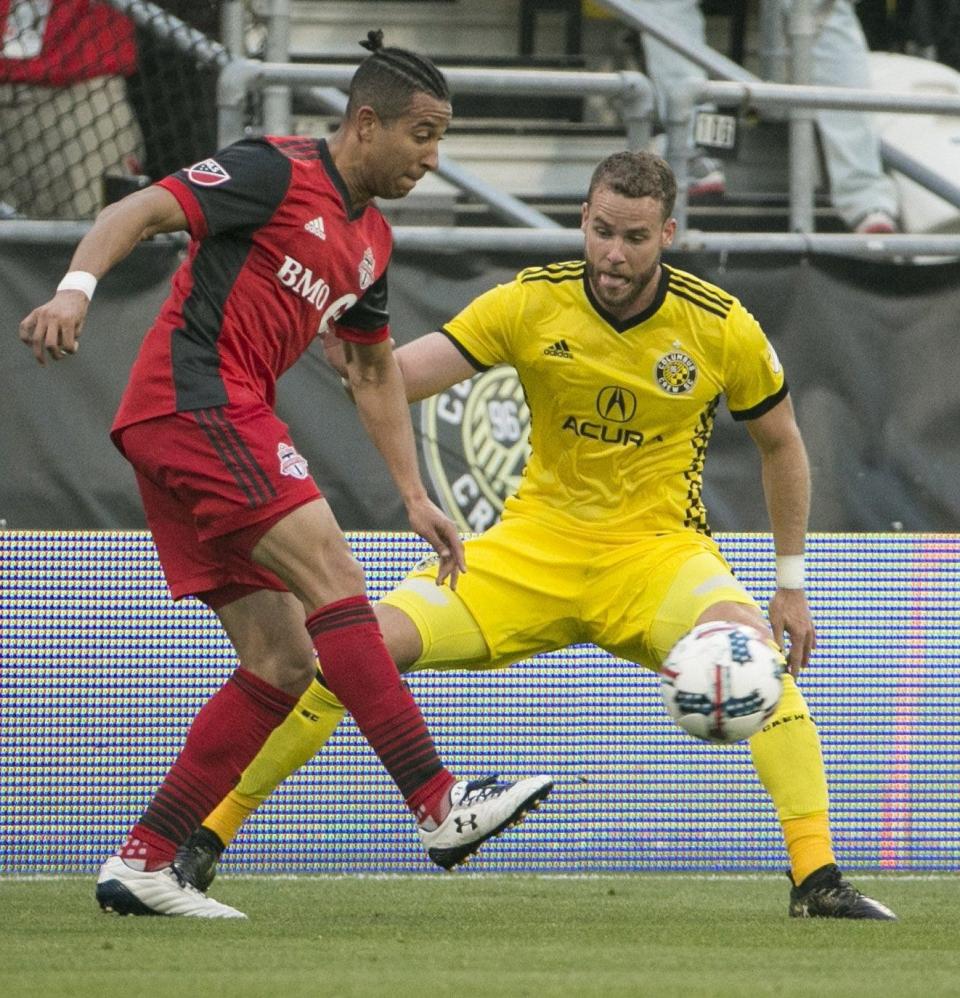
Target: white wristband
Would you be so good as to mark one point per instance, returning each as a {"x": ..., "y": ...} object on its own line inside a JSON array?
[
  {"x": 790, "y": 571},
  {"x": 79, "y": 280}
]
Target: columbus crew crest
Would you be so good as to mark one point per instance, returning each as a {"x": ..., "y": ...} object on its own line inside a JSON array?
[
  {"x": 475, "y": 444},
  {"x": 676, "y": 373}
]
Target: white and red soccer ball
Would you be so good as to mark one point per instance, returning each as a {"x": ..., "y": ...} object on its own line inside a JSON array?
[{"x": 722, "y": 681}]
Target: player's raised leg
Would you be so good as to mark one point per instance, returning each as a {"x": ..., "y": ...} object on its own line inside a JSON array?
[
  {"x": 307, "y": 550},
  {"x": 452, "y": 637}
]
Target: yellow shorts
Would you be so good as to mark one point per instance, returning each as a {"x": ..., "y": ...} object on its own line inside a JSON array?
[{"x": 530, "y": 588}]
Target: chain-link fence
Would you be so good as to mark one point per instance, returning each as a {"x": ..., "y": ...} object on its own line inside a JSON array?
[{"x": 98, "y": 98}]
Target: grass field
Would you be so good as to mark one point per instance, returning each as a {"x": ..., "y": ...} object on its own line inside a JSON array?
[{"x": 476, "y": 935}]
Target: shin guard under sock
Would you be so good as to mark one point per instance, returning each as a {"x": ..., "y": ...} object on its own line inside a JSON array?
[
  {"x": 359, "y": 670},
  {"x": 225, "y": 735},
  {"x": 294, "y": 742}
]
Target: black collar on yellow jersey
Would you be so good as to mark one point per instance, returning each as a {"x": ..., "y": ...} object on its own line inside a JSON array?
[{"x": 622, "y": 325}]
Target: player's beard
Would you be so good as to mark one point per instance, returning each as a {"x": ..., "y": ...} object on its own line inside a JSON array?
[{"x": 622, "y": 303}]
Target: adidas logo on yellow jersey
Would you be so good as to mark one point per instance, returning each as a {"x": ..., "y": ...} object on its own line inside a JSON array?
[{"x": 559, "y": 349}]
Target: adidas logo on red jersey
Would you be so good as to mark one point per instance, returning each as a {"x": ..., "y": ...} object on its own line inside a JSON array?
[{"x": 315, "y": 227}]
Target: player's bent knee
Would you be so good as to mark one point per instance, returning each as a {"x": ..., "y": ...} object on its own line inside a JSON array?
[
  {"x": 435, "y": 629},
  {"x": 400, "y": 635},
  {"x": 266, "y": 628},
  {"x": 289, "y": 671},
  {"x": 738, "y": 613}
]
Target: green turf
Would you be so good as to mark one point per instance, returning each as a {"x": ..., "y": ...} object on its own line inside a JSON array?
[{"x": 472, "y": 935}]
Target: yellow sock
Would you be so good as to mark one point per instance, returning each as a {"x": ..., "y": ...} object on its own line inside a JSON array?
[
  {"x": 292, "y": 743},
  {"x": 808, "y": 843},
  {"x": 227, "y": 818},
  {"x": 787, "y": 757}
]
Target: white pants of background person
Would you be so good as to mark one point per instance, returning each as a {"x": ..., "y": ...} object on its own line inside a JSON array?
[
  {"x": 665, "y": 67},
  {"x": 859, "y": 189},
  {"x": 858, "y": 186}
]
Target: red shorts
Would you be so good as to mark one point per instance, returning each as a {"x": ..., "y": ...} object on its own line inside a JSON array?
[{"x": 213, "y": 481}]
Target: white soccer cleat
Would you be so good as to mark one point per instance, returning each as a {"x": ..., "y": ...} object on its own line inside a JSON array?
[
  {"x": 480, "y": 810},
  {"x": 127, "y": 891}
]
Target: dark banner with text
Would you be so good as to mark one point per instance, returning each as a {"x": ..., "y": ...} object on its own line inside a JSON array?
[{"x": 869, "y": 349}]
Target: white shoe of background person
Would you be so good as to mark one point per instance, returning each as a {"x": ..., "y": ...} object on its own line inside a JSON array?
[
  {"x": 706, "y": 177},
  {"x": 876, "y": 223}
]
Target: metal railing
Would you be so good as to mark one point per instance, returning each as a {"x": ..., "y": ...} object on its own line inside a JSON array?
[
  {"x": 569, "y": 241},
  {"x": 634, "y": 92},
  {"x": 802, "y": 32}
]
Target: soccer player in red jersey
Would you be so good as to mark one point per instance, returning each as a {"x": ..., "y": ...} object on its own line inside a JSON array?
[{"x": 286, "y": 243}]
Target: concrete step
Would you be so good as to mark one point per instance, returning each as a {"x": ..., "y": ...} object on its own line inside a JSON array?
[{"x": 549, "y": 165}]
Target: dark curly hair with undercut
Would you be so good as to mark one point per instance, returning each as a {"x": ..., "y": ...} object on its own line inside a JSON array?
[
  {"x": 388, "y": 79},
  {"x": 637, "y": 175}
]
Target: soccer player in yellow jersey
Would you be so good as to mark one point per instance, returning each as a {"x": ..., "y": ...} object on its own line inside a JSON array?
[{"x": 623, "y": 360}]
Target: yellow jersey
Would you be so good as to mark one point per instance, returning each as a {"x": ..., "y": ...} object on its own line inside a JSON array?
[{"x": 620, "y": 412}]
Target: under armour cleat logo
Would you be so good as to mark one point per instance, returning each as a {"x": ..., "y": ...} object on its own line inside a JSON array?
[{"x": 463, "y": 824}]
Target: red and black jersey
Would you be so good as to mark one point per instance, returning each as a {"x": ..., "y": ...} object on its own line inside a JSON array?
[{"x": 277, "y": 253}]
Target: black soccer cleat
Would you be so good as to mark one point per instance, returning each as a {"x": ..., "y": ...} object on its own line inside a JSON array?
[
  {"x": 825, "y": 894},
  {"x": 196, "y": 860}
]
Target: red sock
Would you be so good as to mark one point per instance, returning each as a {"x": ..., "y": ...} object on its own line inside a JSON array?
[
  {"x": 432, "y": 800},
  {"x": 226, "y": 734},
  {"x": 359, "y": 670}
]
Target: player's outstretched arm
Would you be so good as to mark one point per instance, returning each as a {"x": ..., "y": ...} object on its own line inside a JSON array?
[
  {"x": 786, "y": 487},
  {"x": 429, "y": 365},
  {"x": 378, "y": 390},
  {"x": 53, "y": 329}
]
